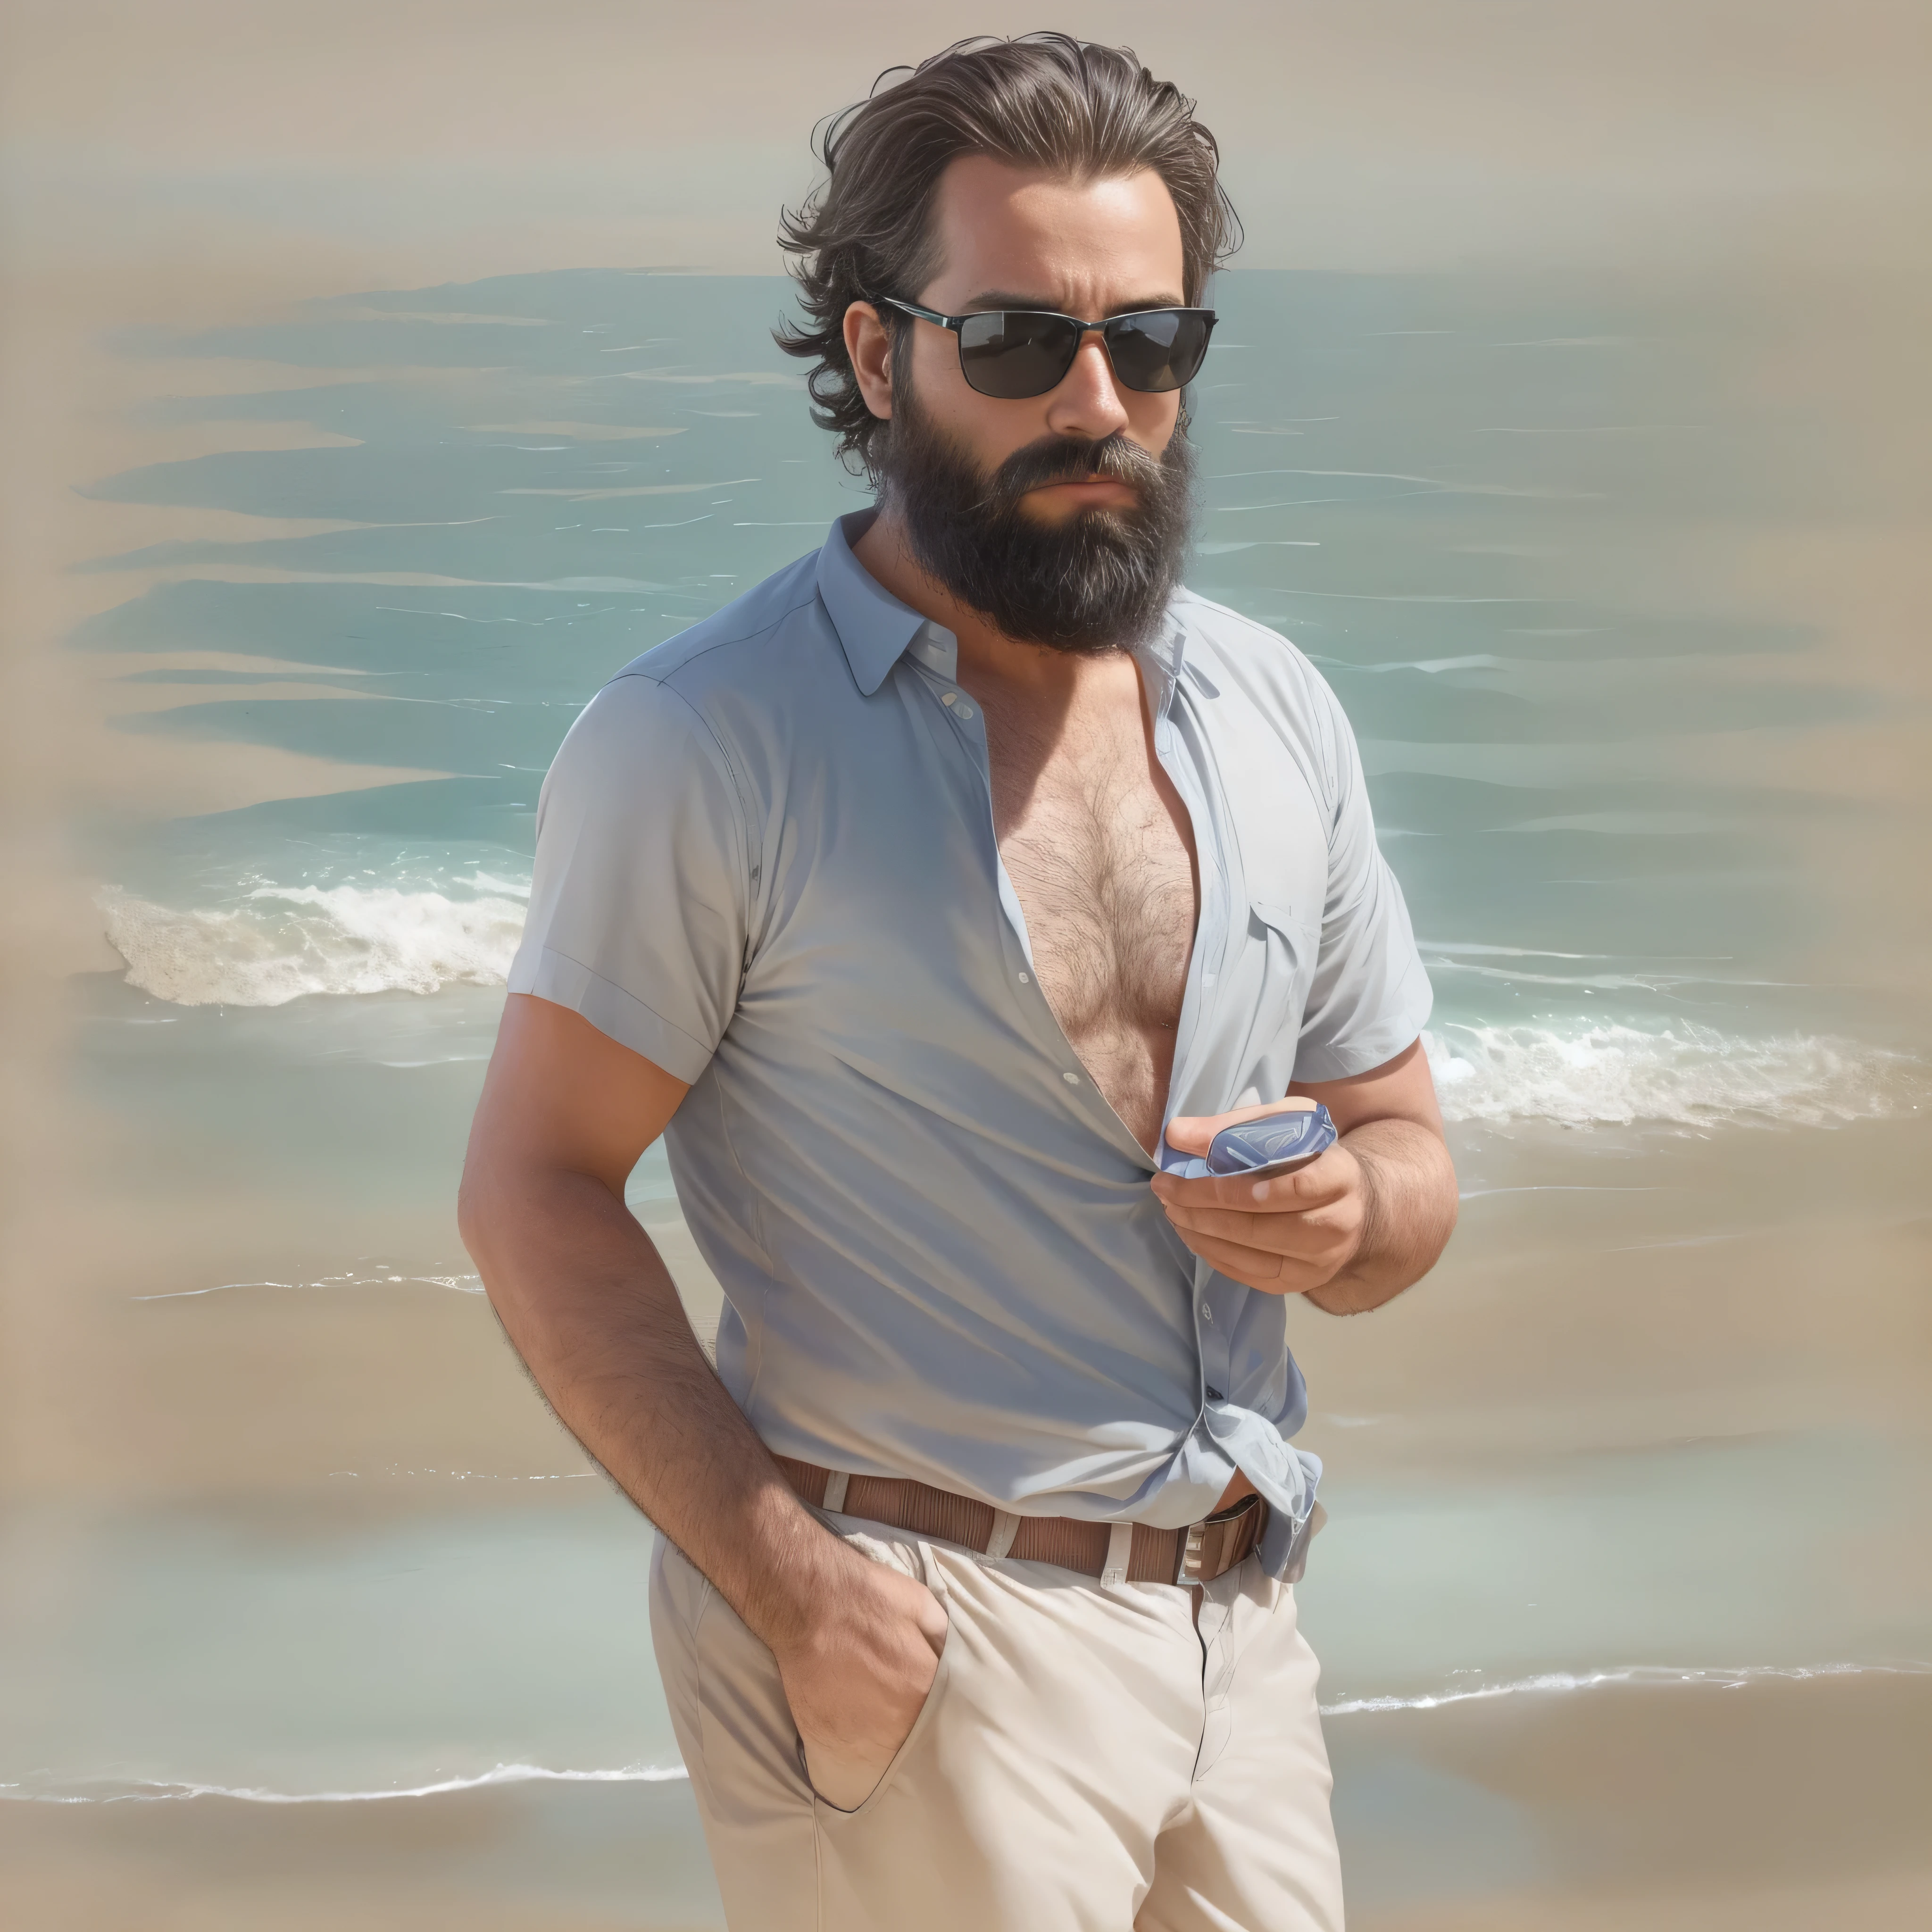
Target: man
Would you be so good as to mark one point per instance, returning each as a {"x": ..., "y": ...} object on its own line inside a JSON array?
[{"x": 934, "y": 899}]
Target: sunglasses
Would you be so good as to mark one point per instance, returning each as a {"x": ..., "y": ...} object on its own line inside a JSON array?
[{"x": 1014, "y": 353}]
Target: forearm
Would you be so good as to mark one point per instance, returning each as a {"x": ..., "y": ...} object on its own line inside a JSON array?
[
  {"x": 1409, "y": 1207},
  {"x": 588, "y": 1302}
]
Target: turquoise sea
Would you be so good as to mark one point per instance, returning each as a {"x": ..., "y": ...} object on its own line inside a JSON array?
[{"x": 1600, "y": 574}]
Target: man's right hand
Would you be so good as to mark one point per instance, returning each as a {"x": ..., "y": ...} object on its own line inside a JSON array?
[{"x": 859, "y": 1674}]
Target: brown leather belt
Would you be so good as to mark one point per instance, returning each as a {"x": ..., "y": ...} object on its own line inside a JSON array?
[{"x": 1129, "y": 1553}]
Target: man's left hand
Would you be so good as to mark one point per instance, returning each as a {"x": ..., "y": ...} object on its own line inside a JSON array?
[{"x": 1283, "y": 1236}]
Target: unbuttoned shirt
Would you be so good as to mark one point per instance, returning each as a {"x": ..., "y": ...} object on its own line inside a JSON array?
[{"x": 766, "y": 861}]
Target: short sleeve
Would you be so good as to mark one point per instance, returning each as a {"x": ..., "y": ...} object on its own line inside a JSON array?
[
  {"x": 638, "y": 896},
  {"x": 1371, "y": 996}
]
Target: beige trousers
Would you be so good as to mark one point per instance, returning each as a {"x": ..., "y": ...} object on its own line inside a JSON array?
[{"x": 1086, "y": 1761}]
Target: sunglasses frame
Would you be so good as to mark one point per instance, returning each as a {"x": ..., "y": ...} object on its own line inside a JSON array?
[{"x": 955, "y": 323}]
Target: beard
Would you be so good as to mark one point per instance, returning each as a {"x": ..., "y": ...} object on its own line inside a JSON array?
[{"x": 1097, "y": 580}]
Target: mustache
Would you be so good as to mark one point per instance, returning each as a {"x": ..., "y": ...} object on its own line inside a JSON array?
[{"x": 1071, "y": 459}]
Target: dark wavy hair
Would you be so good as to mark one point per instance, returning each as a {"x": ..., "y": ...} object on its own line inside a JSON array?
[{"x": 1041, "y": 100}]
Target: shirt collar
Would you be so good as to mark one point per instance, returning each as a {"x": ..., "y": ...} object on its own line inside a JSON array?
[
  {"x": 877, "y": 630},
  {"x": 875, "y": 627},
  {"x": 1162, "y": 659}
]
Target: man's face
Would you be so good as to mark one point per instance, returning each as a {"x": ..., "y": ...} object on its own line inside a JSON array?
[
  {"x": 1062, "y": 518},
  {"x": 1009, "y": 239}
]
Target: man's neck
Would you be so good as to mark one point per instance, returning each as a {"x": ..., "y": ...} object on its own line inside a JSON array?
[{"x": 986, "y": 653}]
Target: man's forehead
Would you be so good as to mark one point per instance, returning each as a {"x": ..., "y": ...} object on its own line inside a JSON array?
[{"x": 1009, "y": 237}]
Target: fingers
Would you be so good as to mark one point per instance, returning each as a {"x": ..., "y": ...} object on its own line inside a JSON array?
[
  {"x": 1191, "y": 1133},
  {"x": 1308, "y": 1236},
  {"x": 1257, "y": 1268},
  {"x": 1325, "y": 1243},
  {"x": 1283, "y": 1236},
  {"x": 1326, "y": 1179}
]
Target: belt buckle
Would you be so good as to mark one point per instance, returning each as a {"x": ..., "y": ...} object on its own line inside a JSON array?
[
  {"x": 1187, "y": 1568},
  {"x": 1192, "y": 1558}
]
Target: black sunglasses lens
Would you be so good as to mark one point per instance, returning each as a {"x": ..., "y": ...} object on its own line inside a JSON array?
[
  {"x": 1160, "y": 350},
  {"x": 1012, "y": 353}
]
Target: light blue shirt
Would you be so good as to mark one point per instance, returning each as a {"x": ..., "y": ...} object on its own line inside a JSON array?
[{"x": 766, "y": 861}]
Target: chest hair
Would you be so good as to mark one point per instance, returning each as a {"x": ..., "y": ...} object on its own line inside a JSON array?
[{"x": 1098, "y": 850}]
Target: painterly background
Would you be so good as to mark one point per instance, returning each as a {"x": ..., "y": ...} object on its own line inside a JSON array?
[{"x": 378, "y": 379}]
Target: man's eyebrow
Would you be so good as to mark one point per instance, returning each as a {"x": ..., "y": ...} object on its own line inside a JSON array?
[{"x": 998, "y": 298}]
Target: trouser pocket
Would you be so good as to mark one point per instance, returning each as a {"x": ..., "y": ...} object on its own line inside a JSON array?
[
  {"x": 854, "y": 1798},
  {"x": 908, "y": 1748}
]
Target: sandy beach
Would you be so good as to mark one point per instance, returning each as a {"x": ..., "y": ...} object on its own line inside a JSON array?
[
  {"x": 1625, "y": 1602},
  {"x": 1783, "y": 1805}
]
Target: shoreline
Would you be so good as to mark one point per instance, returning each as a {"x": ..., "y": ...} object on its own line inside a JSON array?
[{"x": 1782, "y": 1804}]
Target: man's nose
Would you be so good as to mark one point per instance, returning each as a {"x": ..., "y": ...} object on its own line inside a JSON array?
[{"x": 1088, "y": 402}]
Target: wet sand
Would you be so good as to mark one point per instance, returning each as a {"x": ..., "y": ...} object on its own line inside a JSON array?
[
  {"x": 523, "y": 1859},
  {"x": 1559, "y": 1334},
  {"x": 1791, "y": 1806},
  {"x": 1773, "y": 1804},
  {"x": 1781, "y": 1804}
]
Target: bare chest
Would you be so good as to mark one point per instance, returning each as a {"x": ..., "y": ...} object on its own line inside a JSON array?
[{"x": 1100, "y": 851}]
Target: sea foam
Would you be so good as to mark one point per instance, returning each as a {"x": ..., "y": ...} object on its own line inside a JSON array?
[
  {"x": 282, "y": 942},
  {"x": 1683, "y": 1075},
  {"x": 277, "y": 943}
]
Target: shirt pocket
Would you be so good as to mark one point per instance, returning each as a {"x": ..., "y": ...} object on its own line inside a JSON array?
[{"x": 1278, "y": 970}]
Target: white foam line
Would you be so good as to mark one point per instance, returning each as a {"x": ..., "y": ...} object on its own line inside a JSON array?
[
  {"x": 1686, "y": 1241},
  {"x": 1433, "y": 665},
  {"x": 148, "y": 1793},
  {"x": 1560, "y": 1187},
  {"x": 1506, "y": 952},
  {"x": 1641, "y": 983},
  {"x": 464, "y": 1284},
  {"x": 475, "y": 1475},
  {"x": 1731, "y": 1679},
  {"x": 156, "y": 1791},
  {"x": 219, "y": 1288}
]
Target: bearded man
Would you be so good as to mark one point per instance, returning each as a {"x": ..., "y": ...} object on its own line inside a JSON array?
[{"x": 939, "y": 900}]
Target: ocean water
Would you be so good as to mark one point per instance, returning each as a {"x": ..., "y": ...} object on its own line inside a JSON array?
[{"x": 1656, "y": 1423}]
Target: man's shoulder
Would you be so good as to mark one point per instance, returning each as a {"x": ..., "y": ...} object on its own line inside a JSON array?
[
  {"x": 1270, "y": 670},
  {"x": 723, "y": 648}
]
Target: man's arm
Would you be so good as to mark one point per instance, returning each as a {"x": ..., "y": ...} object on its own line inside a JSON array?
[
  {"x": 587, "y": 1302},
  {"x": 1353, "y": 1228}
]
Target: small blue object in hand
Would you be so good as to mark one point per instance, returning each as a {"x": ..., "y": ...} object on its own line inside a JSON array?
[{"x": 1276, "y": 1142}]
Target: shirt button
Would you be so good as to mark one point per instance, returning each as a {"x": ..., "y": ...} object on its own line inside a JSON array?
[
  {"x": 950, "y": 698},
  {"x": 965, "y": 711},
  {"x": 1071, "y": 1079},
  {"x": 1206, "y": 1313},
  {"x": 1025, "y": 981}
]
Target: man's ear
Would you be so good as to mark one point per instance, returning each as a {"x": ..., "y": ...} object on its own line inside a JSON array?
[{"x": 868, "y": 342}]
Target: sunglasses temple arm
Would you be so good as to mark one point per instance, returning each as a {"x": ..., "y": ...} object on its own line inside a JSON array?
[{"x": 950, "y": 321}]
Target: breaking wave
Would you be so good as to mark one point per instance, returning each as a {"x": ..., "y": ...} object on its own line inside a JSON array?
[
  {"x": 282, "y": 942},
  {"x": 276, "y": 943},
  {"x": 1686, "y": 1076}
]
